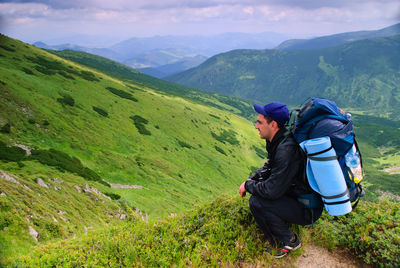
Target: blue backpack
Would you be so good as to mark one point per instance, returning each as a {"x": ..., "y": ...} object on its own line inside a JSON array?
[{"x": 320, "y": 118}]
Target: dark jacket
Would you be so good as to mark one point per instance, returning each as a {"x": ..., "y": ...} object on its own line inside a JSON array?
[{"x": 283, "y": 173}]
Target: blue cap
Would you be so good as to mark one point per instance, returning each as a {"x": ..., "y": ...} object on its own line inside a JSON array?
[{"x": 276, "y": 110}]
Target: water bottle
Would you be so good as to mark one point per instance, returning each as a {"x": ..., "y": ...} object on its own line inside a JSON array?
[{"x": 353, "y": 162}]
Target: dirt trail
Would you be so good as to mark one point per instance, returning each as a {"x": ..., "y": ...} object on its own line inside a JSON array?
[{"x": 318, "y": 257}]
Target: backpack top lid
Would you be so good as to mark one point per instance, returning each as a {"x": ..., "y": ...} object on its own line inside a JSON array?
[
  {"x": 317, "y": 107},
  {"x": 321, "y": 117}
]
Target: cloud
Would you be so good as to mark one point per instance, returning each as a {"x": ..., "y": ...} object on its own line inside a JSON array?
[
  {"x": 55, "y": 4},
  {"x": 151, "y": 17},
  {"x": 194, "y": 4}
]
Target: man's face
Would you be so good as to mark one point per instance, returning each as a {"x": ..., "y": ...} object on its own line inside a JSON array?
[{"x": 264, "y": 128}]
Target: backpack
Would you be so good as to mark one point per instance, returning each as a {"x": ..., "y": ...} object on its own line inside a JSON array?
[{"x": 314, "y": 122}]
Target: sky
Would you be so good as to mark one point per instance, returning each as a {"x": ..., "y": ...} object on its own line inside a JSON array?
[{"x": 116, "y": 20}]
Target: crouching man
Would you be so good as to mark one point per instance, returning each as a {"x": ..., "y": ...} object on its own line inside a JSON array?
[{"x": 276, "y": 186}]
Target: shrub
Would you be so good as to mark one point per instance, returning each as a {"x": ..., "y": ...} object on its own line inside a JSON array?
[
  {"x": 219, "y": 150},
  {"x": 7, "y": 48},
  {"x": 140, "y": 123},
  {"x": 51, "y": 67},
  {"x": 228, "y": 136},
  {"x": 100, "y": 111},
  {"x": 122, "y": 94},
  {"x": 212, "y": 115},
  {"x": 67, "y": 100},
  {"x": 44, "y": 70},
  {"x": 63, "y": 161},
  {"x": 260, "y": 152},
  {"x": 12, "y": 153},
  {"x": 31, "y": 121},
  {"x": 66, "y": 75},
  {"x": 371, "y": 231},
  {"x": 184, "y": 144},
  {"x": 88, "y": 76},
  {"x": 27, "y": 71},
  {"x": 6, "y": 128},
  {"x": 46, "y": 123},
  {"x": 220, "y": 234},
  {"x": 113, "y": 196}
]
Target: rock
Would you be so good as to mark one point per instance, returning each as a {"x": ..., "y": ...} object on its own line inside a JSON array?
[
  {"x": 26, "y": 187},
  {"x": 97, "y": 192},
  {"x": 2, "y": 194},
  {"x": 78, "y": 188},
  {"x": 23, "y": 147},
  {"x": 122, "y": 186},
  {"x": 57, "y": 188},
  {"x": 41, "y": 183},
  {"x": 6, "y": 177},
  {"x": 86, "y": 189},
  {"x": 54, "y": 219},
  {"x": 33, "y": 233},
  {"x": 57, "y": 180},
  {"x": 86, "y": 229}
]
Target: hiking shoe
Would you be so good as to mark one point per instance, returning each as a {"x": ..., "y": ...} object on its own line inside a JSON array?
[
  {"x": 293, "y": 245},
  {"x": 279, "y": 253},
  {"x": 284, "y": 250}
]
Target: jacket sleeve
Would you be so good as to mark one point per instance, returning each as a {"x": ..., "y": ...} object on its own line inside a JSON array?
[
  {"x": 261, "y": 173},
  {"x": 283, "y": 174}
]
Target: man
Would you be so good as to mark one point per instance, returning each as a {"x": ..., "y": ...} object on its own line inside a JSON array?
[{"x": 275, "y": 188}]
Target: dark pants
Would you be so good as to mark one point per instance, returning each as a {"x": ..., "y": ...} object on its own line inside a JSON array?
[{"x": 273, "y": 217}]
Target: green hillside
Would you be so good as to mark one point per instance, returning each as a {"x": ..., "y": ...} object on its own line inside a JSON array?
[
  {"x": 363, "y": 74},
  {"x": 129, "y": 75},
  {"x": 338, "y": 39},
  {"x": 122, "y": 157},
  {"x": 82, "y": 126}
]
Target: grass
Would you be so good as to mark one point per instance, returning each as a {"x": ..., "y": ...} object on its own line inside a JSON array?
[
  {"x": 222, "y": 233},
  {"x": 370, "y": 232},
  {"x": 176, "y": 166},
  {"x": 199, "y": 147},
  {"x": 55, "y": 212},
  {"x": 110, "y": 146}
]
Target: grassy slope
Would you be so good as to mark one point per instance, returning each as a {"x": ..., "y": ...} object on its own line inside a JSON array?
[
  {"x": 178, "y": 165},
  {"x": 113, "y": 148},
  {"x": 128, "y": 74},
  {"x": 181, "y": 133},
  {"x": 361, "y": 74},
  {"x": 223, "y": 233}
]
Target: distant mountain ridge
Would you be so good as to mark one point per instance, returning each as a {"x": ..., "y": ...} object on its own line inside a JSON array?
[
  {"x": 165, "y": 55},
  {"x": 363, "y": 74},
  {"x": 338, "y": 39}
]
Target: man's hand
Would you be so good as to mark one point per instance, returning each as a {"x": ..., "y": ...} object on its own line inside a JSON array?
[{"x": 242, "y": 190}]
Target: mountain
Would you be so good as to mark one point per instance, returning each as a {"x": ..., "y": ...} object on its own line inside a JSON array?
[
  {"x": 104, "y": 52},
  {"x": 203, "y": 45},
  {"x": 165, "y": 55},
  {"x": 173, "y": 68},
  {"x": 338, "y": 39},
  {"x": 363, "y": 74}
]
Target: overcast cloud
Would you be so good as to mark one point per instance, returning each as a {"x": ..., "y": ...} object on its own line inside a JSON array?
[{"x": 33, "y": 20}]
